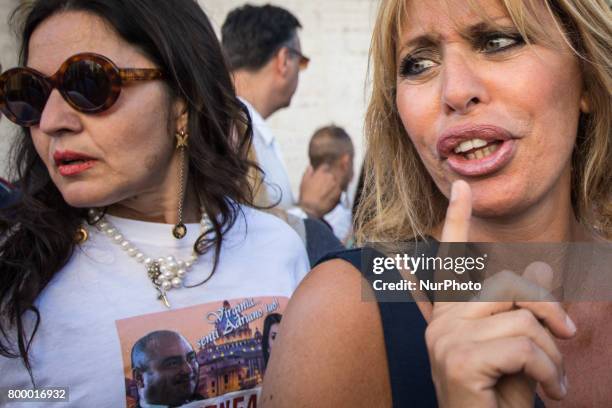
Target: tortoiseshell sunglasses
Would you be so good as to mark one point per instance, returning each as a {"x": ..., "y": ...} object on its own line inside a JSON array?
[{"x": 90, "y": 83}]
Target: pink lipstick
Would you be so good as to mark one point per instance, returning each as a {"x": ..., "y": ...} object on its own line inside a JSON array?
[
  {"x": 476, "y": 150},
  {"x": 71, "y": 163}
]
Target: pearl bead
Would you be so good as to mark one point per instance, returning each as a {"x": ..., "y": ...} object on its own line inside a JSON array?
[
  {"x": 166, "y": 285},
  {"x": 171, "y": 271},
  {"x": 177, "y": 282}
]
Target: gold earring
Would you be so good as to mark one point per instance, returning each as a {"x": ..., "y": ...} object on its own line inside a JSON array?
[
  {"x": 180, "y": 230},
  {"x": 81, "y": 235}
]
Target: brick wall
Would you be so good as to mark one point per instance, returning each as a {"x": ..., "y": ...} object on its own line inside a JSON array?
[{"x": 335, "y": 35}]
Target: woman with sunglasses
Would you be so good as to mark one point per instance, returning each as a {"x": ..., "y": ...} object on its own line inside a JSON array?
[
  {"x": 135, "y": 214},
  {"x": 489, "y": 122}
]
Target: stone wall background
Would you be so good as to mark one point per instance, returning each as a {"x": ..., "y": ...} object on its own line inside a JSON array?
[
  {"x": 335, "y": 35},
  {"x": 8, "y": 58}
]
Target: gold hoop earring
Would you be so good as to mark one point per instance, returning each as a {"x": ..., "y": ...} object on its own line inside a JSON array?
[{"x": 81, "y": 235}]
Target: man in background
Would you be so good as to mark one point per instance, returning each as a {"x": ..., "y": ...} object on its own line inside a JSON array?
[
  {"x": 331, "y": 146},
  {"x": 263, "y": 50}
]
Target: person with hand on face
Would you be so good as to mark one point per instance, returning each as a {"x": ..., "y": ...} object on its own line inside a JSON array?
[
  {"x": 136, "y": 199},
  {"x": 165, "y": 369},
  {"x": 489, "y": 122},
  {"x": 331, "y": 146},
  {"x": 265, "y": 57}
]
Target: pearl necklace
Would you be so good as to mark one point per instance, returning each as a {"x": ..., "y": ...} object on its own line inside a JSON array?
[{"x": 165, "y": 273}]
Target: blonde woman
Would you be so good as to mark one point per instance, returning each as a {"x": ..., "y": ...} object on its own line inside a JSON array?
[{"x": 531, "y": 79}]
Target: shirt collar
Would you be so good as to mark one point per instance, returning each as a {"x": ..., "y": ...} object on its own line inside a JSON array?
[{"x": 259, "y": 123}]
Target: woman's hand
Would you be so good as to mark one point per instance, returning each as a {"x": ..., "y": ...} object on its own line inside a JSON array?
[{"x": 492, "y": 354}]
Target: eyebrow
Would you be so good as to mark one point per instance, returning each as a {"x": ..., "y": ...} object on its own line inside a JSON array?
[
  {"x": 469, "y": 33},
  {"x": 171, "y": 359}
]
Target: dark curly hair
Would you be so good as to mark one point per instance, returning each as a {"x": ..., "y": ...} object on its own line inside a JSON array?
[{"x": 37, "y": 233}]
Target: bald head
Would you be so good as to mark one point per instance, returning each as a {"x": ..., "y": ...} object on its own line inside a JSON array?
[
  {"x": 331, "y": 145},
  {"x": 146, "y": 347},
  {"x": 328, "y": 144}
]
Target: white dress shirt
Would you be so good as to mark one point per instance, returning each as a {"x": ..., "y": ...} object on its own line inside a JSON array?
[
  {"x": 341, "y": 218},
  {"x": 270, "y": 160}
]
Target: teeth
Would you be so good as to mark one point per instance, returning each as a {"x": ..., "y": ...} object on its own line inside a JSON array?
[
  {"x": 478, "y": 143},
  {"x": 483, "y": 152},
  {"x": 464, "y": 147},
  {"x": 469, "y": 145},
  {"x": 491, "y": 149}
]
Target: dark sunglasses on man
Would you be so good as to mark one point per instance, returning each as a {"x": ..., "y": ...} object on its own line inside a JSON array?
[
  {"x": 304, "y": 60},
  {"x": 90, "y": 83}
]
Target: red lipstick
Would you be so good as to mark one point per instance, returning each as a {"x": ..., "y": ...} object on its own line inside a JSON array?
[
  {"x": 476, "y": 150},
  {"x": 71, "y": 163}
]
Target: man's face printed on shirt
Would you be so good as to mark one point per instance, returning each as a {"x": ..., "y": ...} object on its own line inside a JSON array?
[{"x": 171, "y": 376}]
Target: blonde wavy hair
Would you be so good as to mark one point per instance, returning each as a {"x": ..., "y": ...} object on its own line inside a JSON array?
[{"x": 400, "y": 200}]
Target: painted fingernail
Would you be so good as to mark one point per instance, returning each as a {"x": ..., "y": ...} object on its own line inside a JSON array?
[
  {"x": 570, "y": 324},
  {"x": 564, "y": 385}
]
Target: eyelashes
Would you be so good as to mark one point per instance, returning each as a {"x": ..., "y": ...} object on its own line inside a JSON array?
[
  {"x": 422, "y": 60},
  {"x": 498, "y": 42},
  {"x": 415, "y": 65}
]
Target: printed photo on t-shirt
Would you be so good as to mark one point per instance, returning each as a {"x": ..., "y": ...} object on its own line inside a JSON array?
[{"x": 211, "y": 356}]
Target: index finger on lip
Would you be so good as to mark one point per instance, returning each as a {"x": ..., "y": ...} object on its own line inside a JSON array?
[
  {"x": 456, "y": 228},
  {"x": 457, "y": 221}
]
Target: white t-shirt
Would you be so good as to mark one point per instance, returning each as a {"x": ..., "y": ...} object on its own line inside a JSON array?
[{"x": 97, "y": 307}]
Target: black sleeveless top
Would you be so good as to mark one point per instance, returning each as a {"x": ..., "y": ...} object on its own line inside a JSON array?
[{"x": 404, "y": 333}]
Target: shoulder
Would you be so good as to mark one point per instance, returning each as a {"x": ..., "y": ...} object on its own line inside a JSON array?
[
  {"x": 326, "y": 329},
  {"x": 268, "y": 238},
  {"x": 267, "y": 228}
]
